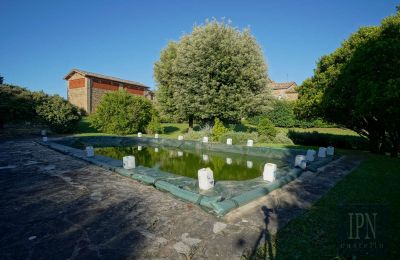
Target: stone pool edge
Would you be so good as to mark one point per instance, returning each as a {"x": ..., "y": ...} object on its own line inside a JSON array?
[{"x": 214, "y": 204}]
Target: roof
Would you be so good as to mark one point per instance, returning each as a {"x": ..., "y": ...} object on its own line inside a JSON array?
[
  {"x": 100, "y": 76},
  {"x": 284, "y": 85}
]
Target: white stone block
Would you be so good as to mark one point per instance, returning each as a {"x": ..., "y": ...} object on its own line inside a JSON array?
[
  {"x": 139, "y": 148},
  {"x": 249, "y": 164},
  {"x": 310, "y": 155},
  {"x": 44, "y": 138},
  {"x": 229, "y": 141},
  {"x": 156, "y": 136},
  {"x": 250, "y": 142},
  {"x": 298, "y": 160},
  {"x": 89, "y": 151},
  {"x": 43, "y": 132},
  {"x": 229, "y": 161},
  {"x": 205, "y": 139},
  {"x": 156, "y": 149},
  {"x": 269, "y": 173},
  {"x": 180, "y": 138},
  {"x": 205, "y": 157},
  {"x": 129, "y": 162},
  {"x": 330, "y": 151},
  {"x": 322, "y": 152},
  {"x": 180, "y": 153},
  {"x": 206, "y": 178},
  {"x": 303, "y": 165},
  {"x": 139, "y": 134}
]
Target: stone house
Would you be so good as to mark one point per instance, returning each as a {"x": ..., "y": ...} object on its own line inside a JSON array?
[
  {"x": 85, "y": 89},
  {"x": 284, "y": 90}
]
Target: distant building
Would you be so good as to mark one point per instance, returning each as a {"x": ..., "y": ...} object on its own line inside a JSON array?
[
  {"x": 284, "y": 90},
  {"x": 85, "y": 89}
]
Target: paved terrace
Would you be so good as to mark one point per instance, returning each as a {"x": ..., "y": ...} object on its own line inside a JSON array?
[{"x": 53, "y": 206}]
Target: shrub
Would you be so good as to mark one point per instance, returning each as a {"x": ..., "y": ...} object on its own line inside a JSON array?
[
  {"x": 218, "y": 129},
  {"x": 282, "y": 114},
  {"x": 122, "y": 113},
  {"x": 60, "y": 115},
  {"x": 265, "y": 128},
  {"x": 238, "y": 138},
  {"x": 154, "y": 126},
  {"x": 338, "y": 141},
  {"x": 16, "y": 104}
]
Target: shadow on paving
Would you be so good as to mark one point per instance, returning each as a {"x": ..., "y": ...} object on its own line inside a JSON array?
[{"x": 42, "y": 217}]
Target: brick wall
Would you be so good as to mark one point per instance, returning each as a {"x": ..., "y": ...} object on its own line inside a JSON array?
[
  {"x": 76, "y": 83},
  {"x": 97, "y": 94},
  {"x": 104, "y": 86},
  {"x": 81, "y": 90},
  {"x": 135, "y": 91}
]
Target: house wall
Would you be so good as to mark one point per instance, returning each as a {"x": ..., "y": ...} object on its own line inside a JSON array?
[
  {"x": 101, "y": 87},
  {"x": 87, "y": 92},
  {"x": 292, "y": 96},
  {"x": 77, "y": 93},
  {"x": 287, "y": 94},
  {"x": 98, "y": 91}
]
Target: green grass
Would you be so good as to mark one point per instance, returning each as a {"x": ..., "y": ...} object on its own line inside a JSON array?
[
  {"x": 85, "y": 128},
  {"x": 333, "y": 131},
  {"x": 313, "y": 234},
  {"x": 173, "y": 130}
]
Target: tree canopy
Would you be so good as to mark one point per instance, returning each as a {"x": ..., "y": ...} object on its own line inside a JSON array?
[
  {"x": 217, "y": 71},
  {"x": 358, "y": 85}
]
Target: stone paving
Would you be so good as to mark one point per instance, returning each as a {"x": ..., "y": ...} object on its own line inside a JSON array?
[{"x": 53, "y": 206}]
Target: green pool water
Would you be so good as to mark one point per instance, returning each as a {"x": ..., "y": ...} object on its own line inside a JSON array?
[{"x": 225, "y": 166}]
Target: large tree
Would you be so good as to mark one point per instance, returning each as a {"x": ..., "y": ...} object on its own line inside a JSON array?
[
  {"x": 165, "y": 87},
  {"x": 358, "y": 85},
  {"x": 217, "y": 71}
]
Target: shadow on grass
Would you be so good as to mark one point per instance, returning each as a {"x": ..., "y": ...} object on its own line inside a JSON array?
[
  {"x": 170, "y": 129},
  {"x": 324, "y": 140},
  {"x": 85, "y": 127}
]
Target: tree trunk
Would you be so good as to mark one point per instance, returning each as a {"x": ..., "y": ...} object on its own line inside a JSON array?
[
  {"x": 190, "y": 123},
  {"x": 395, "y": 148},
  {"x": 375, "y": 144}
]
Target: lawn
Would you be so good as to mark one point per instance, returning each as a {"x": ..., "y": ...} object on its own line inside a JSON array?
[
  {"x": 173, "y": 130},
  {"x": 314, "y": 234}
]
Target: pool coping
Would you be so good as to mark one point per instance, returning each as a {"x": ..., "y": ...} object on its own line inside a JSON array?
[{"x": 214, "y": 204}]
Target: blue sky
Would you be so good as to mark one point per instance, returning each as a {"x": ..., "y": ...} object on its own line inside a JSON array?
[{"x": 43, "y": 40}]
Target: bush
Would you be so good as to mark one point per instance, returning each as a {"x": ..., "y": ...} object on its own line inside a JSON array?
[
  {"x": 206, "y": 130},
  {"x": 154, "y": 126},
  {"x": 218, "y": 129},
  {"x": 19, "y": 104},
  {"x": 238, "y": 138},
  {"x": 122, "y": 113},
  {"x": 323, "y": 140},
  {"x": 282, "y": 114},
  {"x": 60, "y": 115},
  {"x": 265, "y": 128},
  {"x": 16, "y": 104}
]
